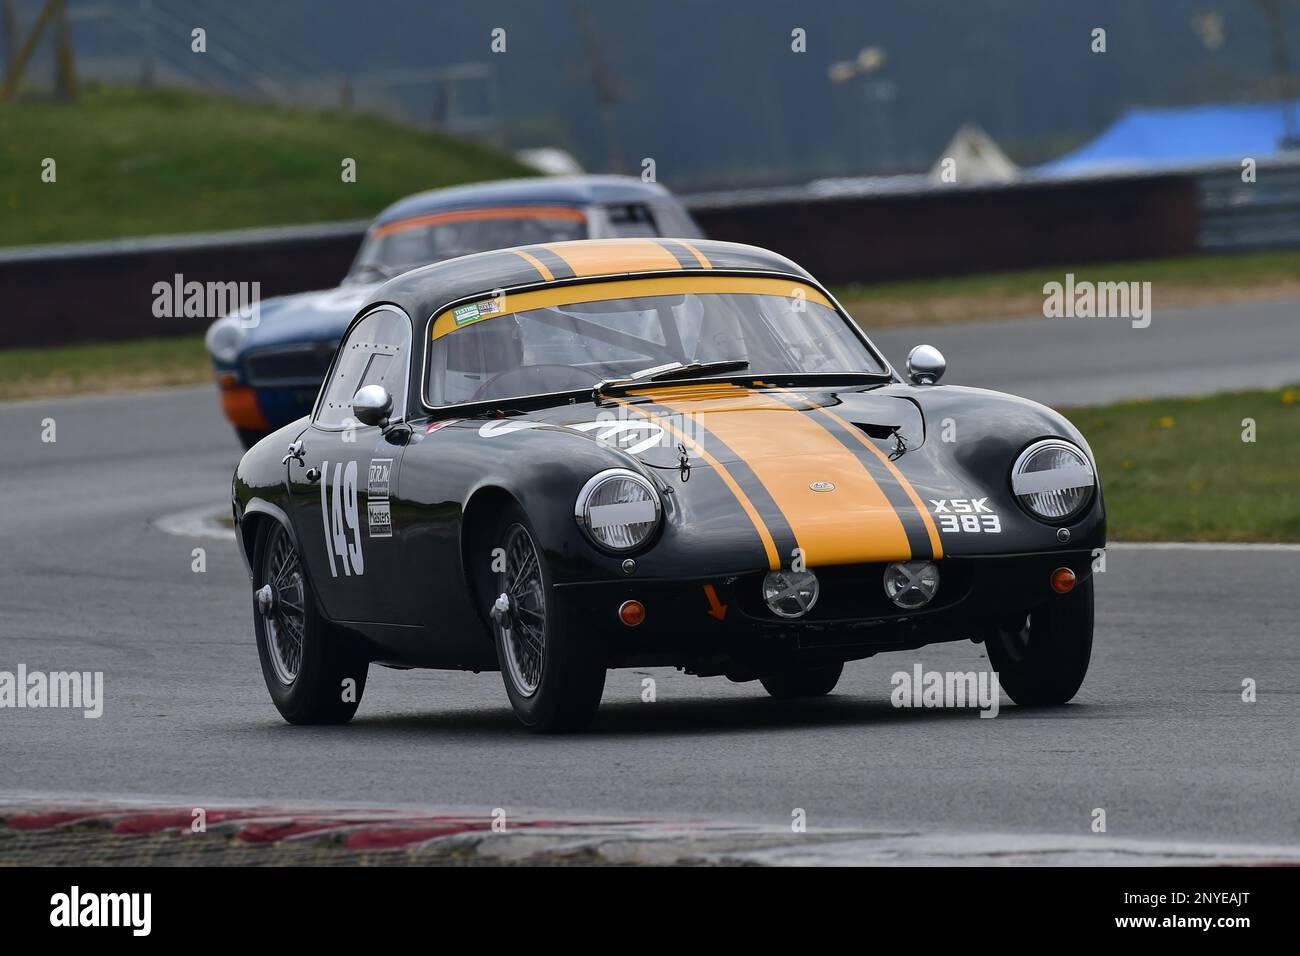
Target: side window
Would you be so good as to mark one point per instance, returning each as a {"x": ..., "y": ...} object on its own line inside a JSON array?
[
  {"x": 374, "y": 353},
  {"x": 676, "y": 222},
  {"x": 632, "y": 220}
]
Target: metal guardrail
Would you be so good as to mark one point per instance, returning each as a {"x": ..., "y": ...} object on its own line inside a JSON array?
[{"x": 1238, "y": 215}]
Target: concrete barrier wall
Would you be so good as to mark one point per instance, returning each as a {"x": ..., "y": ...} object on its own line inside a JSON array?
[
  {"x": 105, "y": 291},
  {"x": 97, "y": 292},
  {"x": 938, "y": 232}
]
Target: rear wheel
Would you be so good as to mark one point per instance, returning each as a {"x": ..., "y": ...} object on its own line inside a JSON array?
[
  {"x": 806, "y": 682},
  {"x": 313, "y": 673},
  {"x": 552, "y": 677},
  {"x": 1042, "y": 658}
]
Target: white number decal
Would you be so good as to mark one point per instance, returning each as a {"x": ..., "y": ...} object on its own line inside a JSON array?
[
  {"x": 340, "y": 516},
  {"x": 966, "y": 515}
]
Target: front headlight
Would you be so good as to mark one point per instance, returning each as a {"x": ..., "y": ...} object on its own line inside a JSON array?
[
  {"x": 224, "y": 338},
  {"x": 618, "y": 509},
  {"x": 1053, "y": 479}
]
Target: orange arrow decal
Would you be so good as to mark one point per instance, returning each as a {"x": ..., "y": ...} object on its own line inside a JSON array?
[{"x": 715, "y": 608}]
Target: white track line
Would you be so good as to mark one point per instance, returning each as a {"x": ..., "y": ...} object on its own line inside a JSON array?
[
  {"x": 197, "y": 523},
  {"x": 1200, "y": 546}
]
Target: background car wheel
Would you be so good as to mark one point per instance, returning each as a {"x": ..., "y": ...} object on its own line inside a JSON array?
[
  {"x": 305, "y": 660},
  {"x": 552, "y": 678},
  {"x": 807, "y": 682},
  {"x": 1043, "y": 660}
]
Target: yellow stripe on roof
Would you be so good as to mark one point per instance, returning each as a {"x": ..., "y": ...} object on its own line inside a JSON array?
[
  {"x": 704, "y": 260},
  {"x": 603, "y": 257},
  {"x": 514, "y": 302},
  {"x": 536, "y": 263}
]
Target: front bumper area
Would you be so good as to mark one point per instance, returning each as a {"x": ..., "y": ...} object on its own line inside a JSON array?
[{"x": 853, "y": 617}]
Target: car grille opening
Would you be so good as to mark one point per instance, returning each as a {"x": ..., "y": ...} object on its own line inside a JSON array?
[{"x": 299, "y": 364}]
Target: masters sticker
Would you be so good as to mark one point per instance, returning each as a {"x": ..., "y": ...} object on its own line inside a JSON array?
[
  {"x": 381, "y": 519},
  {"x": 378, "y": 479}
]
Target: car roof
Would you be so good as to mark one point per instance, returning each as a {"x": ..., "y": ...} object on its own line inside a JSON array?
[
  {"x": 429, "y": 289},
  {"x": 540, "y": 190}
]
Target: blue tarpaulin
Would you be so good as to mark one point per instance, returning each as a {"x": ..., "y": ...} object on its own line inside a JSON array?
[{"x": 1182, "y": 136}]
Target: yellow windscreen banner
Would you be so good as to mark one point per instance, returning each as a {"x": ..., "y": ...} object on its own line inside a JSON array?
[{"x": 509, "y": 303}]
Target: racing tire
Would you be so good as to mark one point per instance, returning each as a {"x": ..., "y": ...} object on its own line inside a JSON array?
[
  {"x": 1042, "y": 662},
  {"x": 553, "y": 677},
  {"x": 305, "y": 659},
  {"x": 806, "y": 682}
]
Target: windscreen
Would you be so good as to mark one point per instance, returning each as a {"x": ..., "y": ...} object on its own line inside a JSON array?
[
  {"x": 563, "y": 347},
  {"x": 398, "y": 247}
]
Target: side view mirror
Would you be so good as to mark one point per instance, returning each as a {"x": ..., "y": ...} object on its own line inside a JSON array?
[
  {"x": 925, "y": 365},
  {"x": 372, "y": 405}
]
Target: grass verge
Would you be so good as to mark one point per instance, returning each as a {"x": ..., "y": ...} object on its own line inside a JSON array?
[
  {"x": 110, "y": 367},
  {"x": 1178, "y": 469},
  {"x": 1187, "y": 281},
  {"x": 132, "y": 162}
]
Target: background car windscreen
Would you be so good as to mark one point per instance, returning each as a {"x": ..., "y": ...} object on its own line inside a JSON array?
[
  {"x": 415, "y": 243},
  {"x": 575, "y": 346}
]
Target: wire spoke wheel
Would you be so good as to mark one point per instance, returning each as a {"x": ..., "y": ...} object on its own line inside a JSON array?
[
  {"x": 286, "y": 625},
  {"x": 522, "y": 627}
]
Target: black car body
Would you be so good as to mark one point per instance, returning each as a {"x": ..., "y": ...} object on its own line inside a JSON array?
[{"x": 404, "y": 527}]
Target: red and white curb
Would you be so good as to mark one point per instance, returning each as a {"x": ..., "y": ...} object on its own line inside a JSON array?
[{"x": 534, "y": 837}]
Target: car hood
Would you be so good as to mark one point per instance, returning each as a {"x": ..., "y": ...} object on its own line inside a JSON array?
[
  {"x": 846, "y": 476},
  {"x": 308, "y": 316}
]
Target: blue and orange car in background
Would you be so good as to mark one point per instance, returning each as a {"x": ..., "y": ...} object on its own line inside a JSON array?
[{"x": 269, "y": 370}]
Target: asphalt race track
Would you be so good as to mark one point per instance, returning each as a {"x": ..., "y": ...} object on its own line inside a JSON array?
[
  {"x": 1158, "y": 736},
  {"x": 1071, "y": 362}
]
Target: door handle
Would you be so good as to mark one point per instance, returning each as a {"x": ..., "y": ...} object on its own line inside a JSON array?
[
  {"x": 295, "y": 452},
  {"x": 313, "y": 475}
]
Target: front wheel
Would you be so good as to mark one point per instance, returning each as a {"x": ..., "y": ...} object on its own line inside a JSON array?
[
  {"x": 313, "y": 674},
  {"x": 552, "y": 677},
  {"x": 807, "y": 682},
  {"x": 1041, "y": 659}
]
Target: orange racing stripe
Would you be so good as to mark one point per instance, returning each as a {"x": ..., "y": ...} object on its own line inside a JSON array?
[
  {"x": 471, "y": 215},
  {"x": 598, "y": 257},
  {"x": 856, "y": 523},
  {"x": 536, "y": 263}
]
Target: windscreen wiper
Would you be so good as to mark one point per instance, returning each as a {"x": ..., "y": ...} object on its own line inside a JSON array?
[{"x": 673, "y": 370}]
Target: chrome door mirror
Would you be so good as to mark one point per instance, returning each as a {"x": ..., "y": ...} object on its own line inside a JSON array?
[
  {"x": 925, "y": 365},
  {"x": 372, "y": 405}
]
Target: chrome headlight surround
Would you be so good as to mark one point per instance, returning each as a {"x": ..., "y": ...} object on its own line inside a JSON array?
[
  {"x": 618, "y": 510},
  {"x": 224, "y": 338},
  {"x": 1061, "y": 490}
]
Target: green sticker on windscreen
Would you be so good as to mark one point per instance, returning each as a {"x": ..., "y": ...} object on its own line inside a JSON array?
[{"x": 474, "y": 311}]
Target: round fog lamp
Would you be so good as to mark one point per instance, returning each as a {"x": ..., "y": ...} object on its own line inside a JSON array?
[
  {"x": 911, "y": 584},
  {"x": 790, "y": 593}
]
